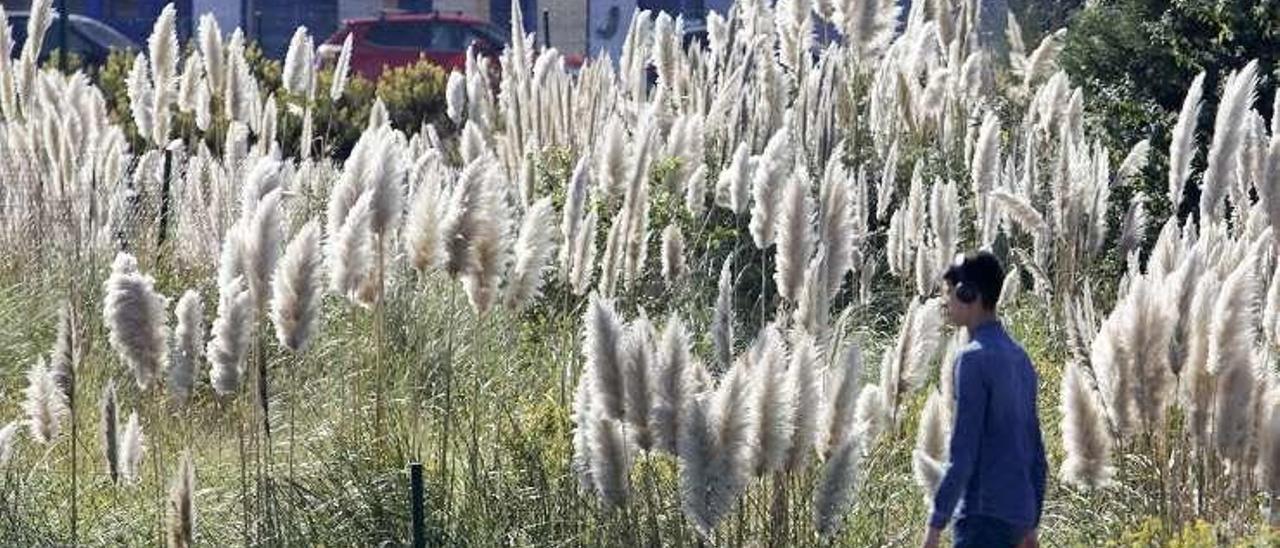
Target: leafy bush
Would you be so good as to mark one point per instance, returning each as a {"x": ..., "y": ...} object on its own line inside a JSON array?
[{"x": 1135, "y": 58}]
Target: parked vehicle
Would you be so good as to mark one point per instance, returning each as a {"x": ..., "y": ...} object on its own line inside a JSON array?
[
  {"x": 88, "y": 38},
  {"x": 394, "y": 40}
]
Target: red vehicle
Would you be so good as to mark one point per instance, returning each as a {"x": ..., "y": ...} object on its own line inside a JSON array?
[{"x": 395, "y": 40}]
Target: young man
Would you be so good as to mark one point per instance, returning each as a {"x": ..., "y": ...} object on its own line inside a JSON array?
[{"x": 997, "y": 471}]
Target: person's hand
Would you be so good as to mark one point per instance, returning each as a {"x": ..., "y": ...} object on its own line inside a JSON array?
[
  {"x": 1032, "y": 540},
  {"x": 931, "y": 538}
]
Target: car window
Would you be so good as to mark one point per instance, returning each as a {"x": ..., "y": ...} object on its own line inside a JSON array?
[
  {"x": 101, "y": 34},
  {"x": 403, "y": 34},
  {"x": 451, "y": 37},
  {"x": 77, "y": 43}
]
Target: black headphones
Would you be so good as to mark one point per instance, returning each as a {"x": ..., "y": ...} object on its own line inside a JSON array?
[{"x": 964, "y": 292}]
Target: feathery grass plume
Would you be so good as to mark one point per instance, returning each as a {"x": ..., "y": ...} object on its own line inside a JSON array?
[
  {"x": 871, "y": 415},
  {"x": 733, "y": 183},
  {"x": 583, "y": 417},
  {"x": 1134, "y": 162},
  {"x": 41, "y": 17},
  {"x": 918, "y": 342},
  {"x": 8, "y": 435},
  {"x": 534, "y": 248},
  {"x": 767, "y": 187},
  {"x": 636, "y": 204},
  {"x": 132, "y": 450},
  {"x": 141, "y": 97},
  {"x": 604, "y": 337},
  {"x": 813, "y": 311},
  {"x": 834, "y": 495},
  {"x": 299, "y": 63},
  {"x": 341, "y": 70},
  {"x": 1011, "y": 288},
  {"x": 162, "y": 46},
  {"x": 985, "y": 167},
  {"x": 931, "y": 444},
  {"x": 575, "y": 203},
  {"x": 231, "y": 332},
  {"x": 238, "y": 96},
  {"x": 188, "y": 345},
  {"x": 296, "y": 290},
  {"x": 264, "y": 233},
  {"x": 1231, "y": 361},
  {"x": 610, "y": 461},
  {"x": 673, "y": 265},
  {"x": 717, "y": 449},
  {"x": 1197, "y": 393},
  {"x": 1148, "y": 328},
  {"x": 109, "y": 431},
  {"x": 135, "y": 317},
  {"x": 1044, "y": 59},
  {"x": 1269, "y": 187},
  {"x": 189, "y": 85},
  {"x": 212, "y": 52},
  {"x": 803, "y": 378},
  {"x": 1134, "y": 225},
  {"x": 456, "y": 97},
  {"x": 8, "y": 102},
  {"x": 584, "y": 255},
  {"x": 776, "y": 400},
  {"x": 1021, "y": 211},
  {"x": 794, "y": 234},
  {"x": 836, "y": 230},
  {"x": 422, "y": 238},
  {"x": 1238, "y": 95},
  {"x": 722, "y": 320},
  {"x": 1085, "y": 436},
  {"x": 611, "y": 166},
  {"x": 489, "y": 246},
  {"x": 65, "y": 358},
  {"x": 1269, "y": 458},
  {"x": 869, "y": 24},
  {"x": 841, "y": 400},
  {"x": 182, "y": 509},
  {"x": 44, "y": 404},
  {"x": 349, "y": 250},
  {"x": 672, "y": 388},
  {"x": 944, "y": 216},
  {"x": 469, "y": 202},
  {"x": 695, "y": 191},
  {"x": 638, "y": 355}
]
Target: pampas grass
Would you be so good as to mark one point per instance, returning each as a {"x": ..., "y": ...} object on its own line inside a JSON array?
[
  {"x": 231, "y": 333},
  {"x": 931, "y": 445},
  {"x": 341, "y": 70},
  {"x": 1085, "y": 435},
  {"x": 188, "y": 345},
  {"x": 109, "y": 431},
  {"x": 672, "y": 386},
  {"x": 296, "y": 290},
  {"x": 603, "y": 338},
  {"x": 794, "y": 238},
  {"x": 802, "y": 375},
  {"x": 722, "y": 322},
  {"x": 1238, "y": 95},
  {"x": 135, "y": 317},
  {"x": 132, "y": 450},
  {"x": 673, "y": 265},
  {"x": 717, "y": 449},
  {"x": 638, "y": 364},
  {"x": 8, "y": 436},
  {"x": 836, "y": 487},
  {"x": 44, "y": 405},
  {"x": 776, "y": 400},
  {"x": 767, "y": 187},
  {"x": 182, "y": 510},
  {"x": 534, "y": 248},
  {"x": 841, "y": 401}
]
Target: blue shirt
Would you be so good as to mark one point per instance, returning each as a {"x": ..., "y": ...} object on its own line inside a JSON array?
[{"x": 997, "y": 452}]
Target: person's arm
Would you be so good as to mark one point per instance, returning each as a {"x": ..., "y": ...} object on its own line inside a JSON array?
[
  {"x": 1039, "y": 466},
  {"x": 966, "y": 437}
]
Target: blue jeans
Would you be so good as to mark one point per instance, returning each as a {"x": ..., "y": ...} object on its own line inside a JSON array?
[{"x": 987, "y": 532}]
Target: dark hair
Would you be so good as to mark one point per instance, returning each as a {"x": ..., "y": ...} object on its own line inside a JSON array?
[{"x": 979, "y": 271}]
